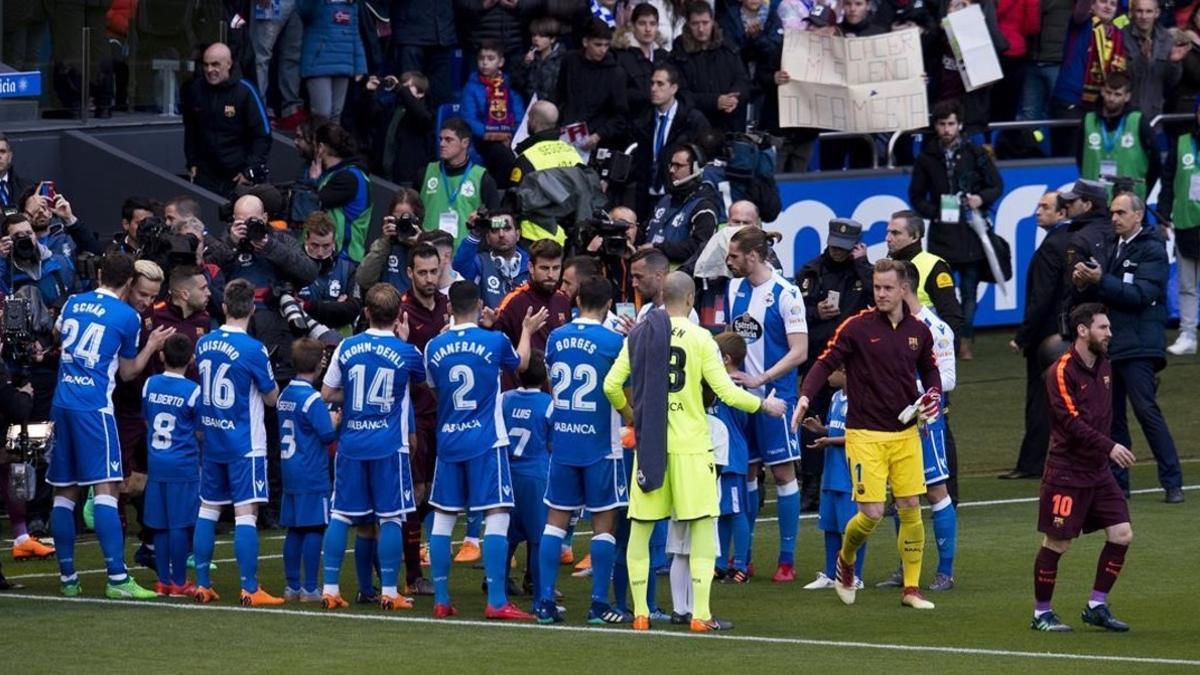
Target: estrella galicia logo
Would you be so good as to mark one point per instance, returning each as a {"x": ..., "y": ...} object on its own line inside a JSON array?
[{"x": 748, "y": 328}]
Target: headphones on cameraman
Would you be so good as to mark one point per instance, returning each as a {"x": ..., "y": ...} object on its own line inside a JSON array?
[{"x": 697, "y": 164}]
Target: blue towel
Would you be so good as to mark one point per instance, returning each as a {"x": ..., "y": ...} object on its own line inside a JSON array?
[{"x": 649, "y": 350}]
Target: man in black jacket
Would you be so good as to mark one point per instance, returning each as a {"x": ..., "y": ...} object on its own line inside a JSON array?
[
  {"x": 686, "y": 217},
  {"x": 11, "y": 187},
  {"x": 951, "y": 176},
  {"x": 670, "y": 122},
  {"x": 1038, "y": 336},
  {"x": 641, "y": 58},
  {"x": 714, "y": 76},
  {"x": 1087, "y": 236},
  {"x": 905, "y": 231},
  {"x": 423, "y": 40},
  {"x": 225, "y": 129},
  {"x": 591, "y": 89}
]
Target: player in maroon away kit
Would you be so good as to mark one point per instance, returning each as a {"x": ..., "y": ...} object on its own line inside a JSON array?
[{"x": 1079, "y": 493}]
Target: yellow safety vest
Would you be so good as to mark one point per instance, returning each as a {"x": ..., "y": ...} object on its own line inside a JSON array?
[
  {"x": 925, "y": 262},
  {"x": 550, "y": 154}
]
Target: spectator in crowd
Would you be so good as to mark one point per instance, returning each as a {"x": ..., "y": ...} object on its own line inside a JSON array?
[
  {"x": 1044, "y": 59},
  {"x": 1095, "y": 47},
  {"x": 540, "y": 292},
  {"x": 1153, "y": 62},
  {"x": 1177, "y": 204},
  {"x": 1089, "y": 230},
  {"x": 1038, "y": 337},
  {"x": 424, "y": 40},
  {"x": 672, "y": 18},
  {"x": 387, "y": 259},
  {"x": 178, "y": 209},
  {"x": 1132, "y": 282},
  {"x": 537, "y": 74},
  {"x": 686, "y": 217},
  {"x": 493, "y": 110},
  {"x": 223, "y": 150},
  {"x": 343, "y": 189},
  {"x": 949, "y": 178},
  {"x": 857, "y": 20},
  {"x": 975, "y": 106},
  {"x": 756, "y": 33},
  {"x": 796, "y": 151},
  {"x": 502, "y": 266},
  {"x": 591, "y": 89},
  {"x": 849, "y": 153},
  {"x": 27, "y": 263},
  {"x": 670, "y": 122},
  {"x": 1019, "y": 21},
  {"x": 498, "y": 21},
  {"x": 543, "y": 150},
  {"x": 332, "y": 299},
  {"x": 277, "y": 25},
  {"x": 11, "y": 185},
  {"x": 905, "y": 232},
  {"x": 711, "y": 71},
  {"x": 638, "y": 48},
  {"x": 1187, "y": 43},
  {"x": 401, "y": 126},
  {"x": 57, "y": 227},
  {"x": 1118, "y": 140},
  {"x": 454, "y": 187},
  {"x": 333, "y": 54}
]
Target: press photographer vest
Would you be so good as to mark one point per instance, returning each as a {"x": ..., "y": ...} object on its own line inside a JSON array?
[
  {"x": 1185, "y": 212},
  {"x": 552, "y": 154},
  {"x": 1123, "y": 146},
  {"x": 395, "y": 268},
  {"x": 671, "y": 223},
  {"x": 925, "y": 262},
  {"x": 493, "y": 283},
  {"x": 350, "y": 235},
  {"x": 337, "y": 282},
  {"x": 442, "y": 193}
]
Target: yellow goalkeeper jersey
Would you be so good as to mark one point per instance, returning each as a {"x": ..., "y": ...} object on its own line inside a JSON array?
[{"x": 694, "y": 359}]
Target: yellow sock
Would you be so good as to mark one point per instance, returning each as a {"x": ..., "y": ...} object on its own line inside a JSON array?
[
  {"x": 911, "y": 543},
  {"x": 637, "y": 557},
  {"x": 703, "y": 557},
  {"x": 857, "y": 530}
]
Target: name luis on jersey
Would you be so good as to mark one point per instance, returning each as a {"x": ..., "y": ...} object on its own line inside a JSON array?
[
  {"x": 460, "y": 347},
  {"x": 381, "y": 350}
]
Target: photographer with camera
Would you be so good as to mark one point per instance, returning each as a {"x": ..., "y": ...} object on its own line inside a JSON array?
[
  {"x": 611, "y": 240},
  {"x": 56, "y": 224},
  {"x": 134, "y": 211},
  {"x": 387, "y": 258},
  {"x": 24, "y": 261},
  {"x": 344, "y": 189},
  {"x": 332, "y": 299},
  {"x": 503, "y": 265}
]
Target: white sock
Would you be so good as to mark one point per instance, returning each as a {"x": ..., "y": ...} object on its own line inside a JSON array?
[
  {"x": 681, "y": 584},
  {"x": 20, "y": 540},
  {"x": 332, "y": 589},
  {"x": 390, "y": 591},
  {"x": 1092, "y": 604},
  {"x": 1038, "y": 612},
  {"x": 473, "y": 540}
]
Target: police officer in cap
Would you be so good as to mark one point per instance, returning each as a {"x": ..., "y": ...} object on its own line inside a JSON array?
[{"x": 541, "y": 151}]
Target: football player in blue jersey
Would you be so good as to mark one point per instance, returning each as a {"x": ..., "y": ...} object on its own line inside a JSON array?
[
  {"x": 471, "y": 472},
  {"x": 305, "y": 429},
  {"x": 99, "y": 337},
  {"x": 370, "y": 374},
  {"x": 236, "y": 381},
  {"x": 587, "y": 468},
  {"x": 734, "y": 525},
  {"x": 527, "y": 411},
  {"x": 172, "y": 494},
  {"x": 768, "y": 313}
]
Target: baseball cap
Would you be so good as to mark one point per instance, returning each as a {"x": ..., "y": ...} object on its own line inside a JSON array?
[
  {"x": 844, "y": 233},
  {"x": 821, "y": 16},
  {"x": 1091, "y": 190}
]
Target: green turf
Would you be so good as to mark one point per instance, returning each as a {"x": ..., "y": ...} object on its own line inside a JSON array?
[{"x": 990, "y": 609}]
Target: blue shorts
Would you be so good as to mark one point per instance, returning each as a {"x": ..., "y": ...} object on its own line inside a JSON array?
[
  {"x": 477, "y": 484},
  {"x": 304, "y": 509},
  {"x": 171, "y": 506},
  {"x": 241, "y": 481},
  {"x": 771, "y": 440},
  {"x": 528, "y": 517},
  {"x": 86, "y": 448},
  {"x": 836, "y": 509},
  {"x": 597, "y": 487},
  {"x": 933, "y": 449},
  {"x": 380, "y": 486},
  {"x": 733, "y": 493}
]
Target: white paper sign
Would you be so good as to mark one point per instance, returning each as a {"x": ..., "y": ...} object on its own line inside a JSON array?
[{"x": 973, "y": 49}]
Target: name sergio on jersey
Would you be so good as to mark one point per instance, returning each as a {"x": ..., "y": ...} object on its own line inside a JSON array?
[
  {"x": 460, "y": 347},
  {"x": 381, "y": 350}
]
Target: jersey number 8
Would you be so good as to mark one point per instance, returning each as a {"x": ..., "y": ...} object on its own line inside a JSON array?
[
  {"x": 164, "y": 426},
  {"x": 676, "y": 377}
]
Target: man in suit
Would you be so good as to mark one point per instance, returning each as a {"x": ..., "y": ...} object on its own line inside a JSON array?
[
  {"x": 671, "y": 121},
  {"x": 11, "y": 186}
]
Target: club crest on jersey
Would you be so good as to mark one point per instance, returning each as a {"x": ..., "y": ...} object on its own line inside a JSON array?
[
  {"x": 641, "y": 477},
  {"x": 748, "y": 328},
  {"x": 493, "y": 283},
  {"x": 393, "y": 263},
  {"x": 467, "y": 189},
  {"x": 768, "y": 300},
  {"x": 335, "y": 288},
  {"x": 432, "y": 184},
  {"x": 913, "y": 343},
  {"x": 230, "y": 111}
]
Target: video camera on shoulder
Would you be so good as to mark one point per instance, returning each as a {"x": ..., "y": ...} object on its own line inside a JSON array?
[
  {"x": 614, "y": 243},
  {"x": 19, "y": 334},
  {"x": 163, "y": 247},
  {"x": 613, "y": 167}
]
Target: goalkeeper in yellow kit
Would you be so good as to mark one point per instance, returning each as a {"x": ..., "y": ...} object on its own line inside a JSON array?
[{"x": 687, "y": 485}]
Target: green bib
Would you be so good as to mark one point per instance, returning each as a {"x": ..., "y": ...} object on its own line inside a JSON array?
[
  {"x": 445, "y": 194},
  {"x": 1122, "y": 147},
  {"x": 1185, "y": 212}
]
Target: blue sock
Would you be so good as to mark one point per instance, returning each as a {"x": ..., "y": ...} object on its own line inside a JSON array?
[
  {"x": 604, "y": 555},
  {"x": 741, "y": 541},
  {"x": 858, "y": 562},
  {"x": 180, "y": 541},
  {"x": 439, "y": 566},
  {"x": 162, "y": 560},
  {"x": 474, "y": 524},
  {"x": 293, "y": 553},
  {"x": 833, "y": 545},
  {"x": 621, "y": 566},
  {"x": 245, "y": 550},
  {"x": 569, "y": 538},
  {"x": 391, "y": 552},
  {"x": 427, "y": 523},
  {"x": 314, "y": 540},
  {"x": 548, "y": 555},
  {"x": 724, "y": 538},
  {"x": 945, "y": 531},
  {"x": 202, "y": 546},
  {"x": 789, "y": 520},
  {"x": 334, "y": 544},
  {"x": 62, "y": 524},
  {"x": 752, "y": 509},
  {"x": 364, "y": 562},
  {"x": 495, "y": 558},
  {"x": 111, "y": 536}
]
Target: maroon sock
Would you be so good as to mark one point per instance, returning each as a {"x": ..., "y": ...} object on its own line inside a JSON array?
[
  {"x": 1045, "y": 573},
  {"x": 412, "y": 548},
  {"x": 1108, "y": 568}
]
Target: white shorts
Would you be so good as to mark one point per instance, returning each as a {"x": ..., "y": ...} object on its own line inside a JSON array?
[{"x": 679, "y": 537}]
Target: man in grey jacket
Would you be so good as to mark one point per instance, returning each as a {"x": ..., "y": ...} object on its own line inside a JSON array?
[{"x": 1153, "y": 64}]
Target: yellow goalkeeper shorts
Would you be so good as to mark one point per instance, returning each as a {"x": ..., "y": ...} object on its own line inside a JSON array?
[
  {"x": 689, "y": 490},
  {"x": 879, "y": 457}
]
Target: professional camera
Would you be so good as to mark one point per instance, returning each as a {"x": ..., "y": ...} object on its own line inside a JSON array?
[
  {"x": 256, "y": 230},
  {"x": 163, "y": 247},
  {"x": 613, "y": 167},
  {"x": 24, "y": 247},
  {"x": 612, "y": 233},
  {"x": 19, "y": 333},
  {"x": 407, "y": 227},
  {"x": 256, "y": 174},
  {"x": 299, "y": 321}
]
